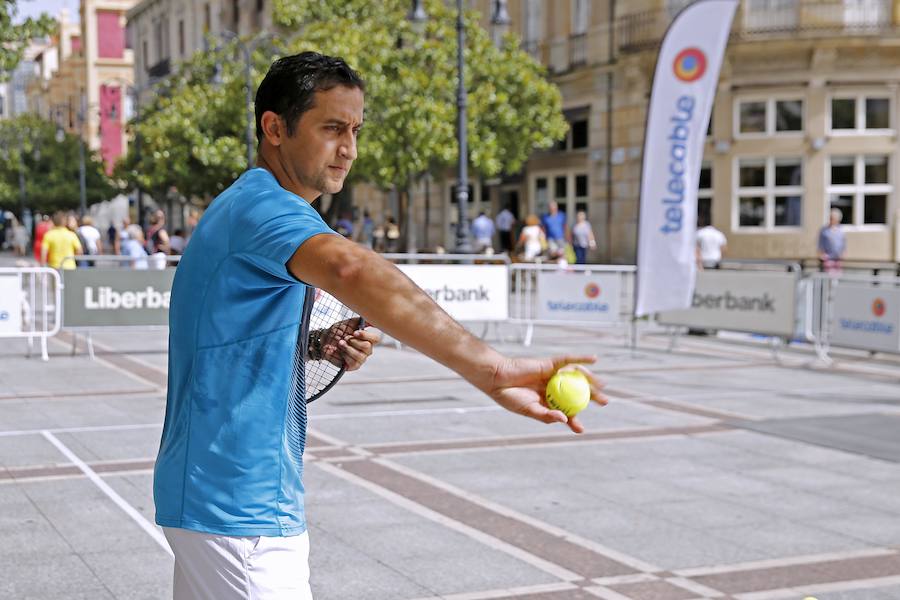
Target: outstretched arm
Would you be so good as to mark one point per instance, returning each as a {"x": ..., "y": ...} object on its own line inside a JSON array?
[{"x": 388, "y": 299}]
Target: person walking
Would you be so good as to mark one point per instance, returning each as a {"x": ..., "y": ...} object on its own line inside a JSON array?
[
  {"x": 506, "y": 222},
  {"x": 133, "y": 246},
  {"x": 711, "y": 245},
  {"x": 532, "y": 239},
  {"x": 483, "y": 233},
  {"x": 582, "y": 237},
  {"x": 40, "y": 230},
  {"x": 58, "y": 243},
  {"x": 228, "y": 482},
  {"x": 91, "y": 237},
  {"x": 554, "y": 223},
  {"x": 157, "y": 237},
  {"x": 832, "y": 243}
]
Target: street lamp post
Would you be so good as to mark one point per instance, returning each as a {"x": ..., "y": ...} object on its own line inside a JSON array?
[
  {"x": 499, "y": 18},
  {"x": 247, "y": 50},
  {"x": 82, "y": 179}
]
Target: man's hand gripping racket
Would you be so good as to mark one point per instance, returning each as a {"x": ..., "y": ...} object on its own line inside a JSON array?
[{"x": 338, "y": 342}]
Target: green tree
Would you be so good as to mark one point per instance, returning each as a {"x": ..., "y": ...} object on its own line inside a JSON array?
[
  {"x": 50, "y": 167},
  {"x": 411, "y": 88},
  {"x": 192, "y": 133},
  {"x": 14, "y": 38}
]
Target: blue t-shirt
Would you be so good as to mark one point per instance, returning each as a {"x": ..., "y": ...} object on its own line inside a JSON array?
[
  {"x": 231, "y": 456},
  {"x": 554, "y": 225}
]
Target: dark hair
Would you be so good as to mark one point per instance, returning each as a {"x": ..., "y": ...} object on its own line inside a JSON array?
[{"x": 289, "y": 88}]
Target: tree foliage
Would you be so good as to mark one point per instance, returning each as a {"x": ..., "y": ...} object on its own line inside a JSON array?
[
  {"x": 192, "y": 132},
  {"x": 411, "y": 87},
  {"x": 51, "y": 167},
  {"x": 14, "y": 38}
]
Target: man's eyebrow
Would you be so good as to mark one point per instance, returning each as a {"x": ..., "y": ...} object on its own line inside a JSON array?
[{"x": 340, "y": 122}]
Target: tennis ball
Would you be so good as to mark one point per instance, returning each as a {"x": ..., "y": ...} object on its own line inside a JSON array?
[
  {"x": 569, "y": 392},
  {"x": 809, "y": 598}
]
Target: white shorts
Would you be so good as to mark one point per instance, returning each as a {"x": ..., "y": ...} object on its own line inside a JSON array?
[{"x": 222, "y": 567}]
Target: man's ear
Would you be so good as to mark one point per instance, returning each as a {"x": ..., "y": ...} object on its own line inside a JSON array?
[{"x": 272, "y": 127}]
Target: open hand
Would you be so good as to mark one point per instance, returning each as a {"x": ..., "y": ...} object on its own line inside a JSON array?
[{"x": 519, "y": 385}]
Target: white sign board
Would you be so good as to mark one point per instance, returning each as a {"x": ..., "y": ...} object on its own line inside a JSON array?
[
  {"x": 577, "y": 296},
  {"x": 749, "y": 301},
  {"x": 466, "y": 292},
  {"x": 866, "y": 316},
  {"x": 10, "y": 304}
]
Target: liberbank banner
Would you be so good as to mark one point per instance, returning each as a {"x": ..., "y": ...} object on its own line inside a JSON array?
[
  {"x": 866, "y": 317},
  {"x": 466, "y": 292},
  {"x": 116, "y": 297},
  {"x": 589, "y": 297},
  {"x": 749, "y": 301},
  {"x": 684, "y": 87}
]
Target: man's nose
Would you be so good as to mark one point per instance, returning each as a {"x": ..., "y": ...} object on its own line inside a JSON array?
[{"x": 348, "y": 148}]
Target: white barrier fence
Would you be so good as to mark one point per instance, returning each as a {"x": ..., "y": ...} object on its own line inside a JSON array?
[
  {"x": 584, "y": 295},
  {"x": 852, "y": 311},
  {"x": 30, "y": 305}
]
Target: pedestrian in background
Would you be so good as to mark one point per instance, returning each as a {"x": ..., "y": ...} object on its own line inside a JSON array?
[
  {"x": 506, "y": 222},
  {"x": 711, "y": 245},
  {"x": 532, "y": 239},
  {"x": 832, "y": 243},
  {"x": 177, "y": 242},
  {"x": 554, "y": 223},
  {"x": 582, "y": 238},
  {"x": 391, "y": 235},
  {"x": 483, "y": 232},
  {"x": 58, "y": 243},
  {"x": 19, "y": 238},
  {"x": 132, "y": 245},
  {"x": 43, "y": 226},
  {"x": 367, "y": 230},
  {"x": 157, "y": 236},
  {"x": 93, "y": 242}
]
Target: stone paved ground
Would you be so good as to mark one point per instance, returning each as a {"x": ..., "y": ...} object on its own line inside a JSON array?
[{"x": 715, "y": 472}]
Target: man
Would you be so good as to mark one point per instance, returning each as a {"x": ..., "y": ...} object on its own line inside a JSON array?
[
  {"x": 711, "y": 244},
  {"x": 582, "y": 237},
  {"x": 483, "y": 232},
  {"x": 58, "y": 243},
  {"x": 554, "y": 224},
  {"x": 228, "y": 479},
  {"x": 505, "y": 222},
  {"x": 832, "y": 243}
]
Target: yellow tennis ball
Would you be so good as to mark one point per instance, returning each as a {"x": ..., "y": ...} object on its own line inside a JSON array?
[
  {"x": 809, "y": 598},
  {"x": 569, "y": 392}
]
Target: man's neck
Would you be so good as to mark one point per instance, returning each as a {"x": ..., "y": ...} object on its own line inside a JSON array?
[{"x": 271, "y": 161}]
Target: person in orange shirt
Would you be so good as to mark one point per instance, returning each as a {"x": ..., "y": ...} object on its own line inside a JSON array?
[
  {"x": 42, "y": 227},
  {"x": 59, "y": 243}
]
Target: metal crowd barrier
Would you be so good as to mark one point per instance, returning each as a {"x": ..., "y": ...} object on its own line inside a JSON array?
[
  {"x": 30, "y": 305},
  {"x": 115, "y": 277},
  {"x": 580, "y": 295},
  {"x": 853, "y": 310}
]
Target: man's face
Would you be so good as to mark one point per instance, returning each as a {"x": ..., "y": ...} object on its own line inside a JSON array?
[{"x": 323, "y": 147}]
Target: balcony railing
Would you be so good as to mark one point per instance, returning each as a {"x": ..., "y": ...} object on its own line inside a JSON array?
[
  {"x": 765, "y": 19},
  {"x": 578, "y": 49}
]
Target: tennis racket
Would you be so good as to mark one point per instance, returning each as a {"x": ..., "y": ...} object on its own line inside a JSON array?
[{"x": 329, "y": 322}]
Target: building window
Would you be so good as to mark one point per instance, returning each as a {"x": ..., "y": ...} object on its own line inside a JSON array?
[
  {"x": 145, "y": 53},
  {"x": 533, "y": 22},
  {"x": 860, "y": 187},
  {"x": 860, "y": 114},
  {"x": 766, "y": 15},
  {"x": 704, "y": 195},
  {"x": 580, "y": 134},
  {"x": 581, "y": 186},
  {"x": 771, "y": 116},
  {"x": 181, "y": 45},
  {"x": 207, "y": 17},
  {"x": 236, "y": 15},
  {"x": 770, "y": 192}
]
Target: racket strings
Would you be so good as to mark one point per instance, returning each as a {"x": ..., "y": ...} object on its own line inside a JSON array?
[{"x": 329, "y": 322}]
